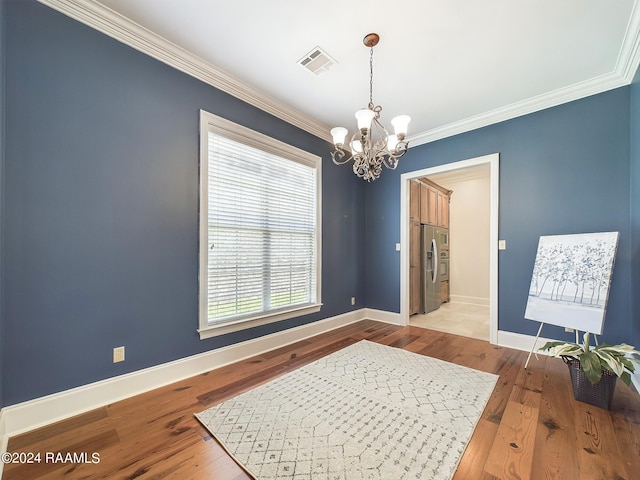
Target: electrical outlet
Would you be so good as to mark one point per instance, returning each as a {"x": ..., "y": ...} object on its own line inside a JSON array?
[
  {"x": 353, "y": 300},
  {"x": 118, "y": 354}
]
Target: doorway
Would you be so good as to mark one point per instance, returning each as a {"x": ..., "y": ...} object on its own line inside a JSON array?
[{"x": 456, "y": 172}]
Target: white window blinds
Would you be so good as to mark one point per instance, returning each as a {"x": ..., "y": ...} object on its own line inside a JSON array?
[{"x": 262, "y": 235}]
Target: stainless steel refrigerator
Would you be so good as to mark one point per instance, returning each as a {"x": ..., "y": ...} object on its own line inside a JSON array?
[{"x": 435, "y": 265}]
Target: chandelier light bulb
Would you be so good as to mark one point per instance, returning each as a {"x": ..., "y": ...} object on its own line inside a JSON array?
[
  {"x": 364, "y": 117},
  {"x": 339, "y": 134},
  {"x": 401, "y": 125}
]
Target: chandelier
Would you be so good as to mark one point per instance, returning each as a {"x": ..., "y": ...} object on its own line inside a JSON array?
[{"x": 371, "y": 146}]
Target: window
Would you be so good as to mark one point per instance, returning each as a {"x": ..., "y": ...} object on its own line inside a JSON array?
[{"x": 259, "y": 228}]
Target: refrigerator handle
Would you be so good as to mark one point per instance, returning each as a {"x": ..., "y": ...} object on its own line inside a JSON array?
[{"x": 434, "y": 247}]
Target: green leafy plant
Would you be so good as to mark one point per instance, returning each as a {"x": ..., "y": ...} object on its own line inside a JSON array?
[{"x": 617, "y": 359}]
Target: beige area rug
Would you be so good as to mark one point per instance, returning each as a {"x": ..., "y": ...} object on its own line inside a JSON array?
[{"x": 367, "y": 411}]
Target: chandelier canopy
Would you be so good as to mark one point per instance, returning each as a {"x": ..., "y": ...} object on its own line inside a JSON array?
[{"x": 371, "y": 146}]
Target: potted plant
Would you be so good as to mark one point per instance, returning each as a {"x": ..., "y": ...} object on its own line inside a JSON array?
[{"x": 594, "y": 370}]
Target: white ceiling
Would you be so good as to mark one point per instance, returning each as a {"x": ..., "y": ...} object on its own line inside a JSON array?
[{"x": 453, "y": 65}]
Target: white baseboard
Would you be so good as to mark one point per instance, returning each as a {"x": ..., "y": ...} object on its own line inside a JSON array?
[
  {"x": 472, "y": 300},
  {"x": 383, "y": 316},
  {"x": 26, "y": 416},
  {"x": 519, "y": 341}
]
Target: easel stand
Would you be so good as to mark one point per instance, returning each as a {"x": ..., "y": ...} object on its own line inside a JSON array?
[
  {"x": 595, "y": 338},
  {"x": 534, "y": 346}
]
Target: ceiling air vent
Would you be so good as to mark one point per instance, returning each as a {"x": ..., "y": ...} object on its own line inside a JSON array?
[{"x": 317, "y": 61}]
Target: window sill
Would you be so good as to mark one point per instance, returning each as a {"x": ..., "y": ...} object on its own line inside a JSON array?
[{"x": 229, "y": 327}]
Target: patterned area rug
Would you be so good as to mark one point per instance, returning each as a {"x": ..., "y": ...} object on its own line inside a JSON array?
[{"x": 367, "y": 411}]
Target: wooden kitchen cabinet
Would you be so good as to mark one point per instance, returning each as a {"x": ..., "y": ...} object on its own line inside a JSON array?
[
  {"x": 414, "y": 201},
  {"x": 428, "y": 205},
  {"x": 434, "y": 204},
  {"x": 444, "y": 291},
  {"x": 443, "y": 209}
]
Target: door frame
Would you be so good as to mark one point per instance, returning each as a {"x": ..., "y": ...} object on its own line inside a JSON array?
[{"x": 494, "y": 178}]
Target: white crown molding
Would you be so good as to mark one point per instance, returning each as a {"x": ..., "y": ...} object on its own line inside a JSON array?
[
  {"x": 525, "y": 107},
  {"x": 623, "y": 74},
  {"x": 111, "y": 23},
  {"x": 629, "y": 56},
  {"x": 124, "y": 30}
]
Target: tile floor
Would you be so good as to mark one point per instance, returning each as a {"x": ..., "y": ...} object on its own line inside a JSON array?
[{"x": 464, "y": 319}]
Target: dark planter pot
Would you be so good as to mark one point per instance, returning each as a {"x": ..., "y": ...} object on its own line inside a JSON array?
[{"x": 598, "y": 394}]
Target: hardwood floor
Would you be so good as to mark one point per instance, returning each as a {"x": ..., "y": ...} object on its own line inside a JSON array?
[{"x": 532, "y": 428}]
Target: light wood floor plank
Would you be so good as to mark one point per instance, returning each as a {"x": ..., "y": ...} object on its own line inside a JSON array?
[
  {"x": 598, "y": 455},
  {"x": 511, "y": 455},
  {"x": 477, "y": 452},
  {"x": 555, "y": 436}
]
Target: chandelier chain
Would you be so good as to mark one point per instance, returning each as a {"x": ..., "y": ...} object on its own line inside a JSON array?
[{"x": 371, "y": 77}]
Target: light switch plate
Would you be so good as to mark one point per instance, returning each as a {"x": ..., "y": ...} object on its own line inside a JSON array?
[{"x": 502, "y": 244}]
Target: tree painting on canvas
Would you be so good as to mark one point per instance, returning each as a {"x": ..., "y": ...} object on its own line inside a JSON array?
[{"x": 571, "y": 278}]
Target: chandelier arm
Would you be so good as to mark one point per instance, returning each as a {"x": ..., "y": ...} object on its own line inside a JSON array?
[
  {"x": 391, "y": 162},
  {"x": 340, "y": 153},
  {"x": 402, "y": 148}
]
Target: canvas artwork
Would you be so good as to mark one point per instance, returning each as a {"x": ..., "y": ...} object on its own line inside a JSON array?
[{"x": 570, "y": 281}]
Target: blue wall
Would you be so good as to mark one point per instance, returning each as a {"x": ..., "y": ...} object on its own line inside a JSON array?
[
  {"x": 99, "y": 232},
  {"x": 562, "y": 170},
  {"x": 101, "y": 207},
  {"x": 635, "y": 208}
]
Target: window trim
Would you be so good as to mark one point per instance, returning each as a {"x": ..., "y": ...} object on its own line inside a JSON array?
[{"x": 233, "y": 131}]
